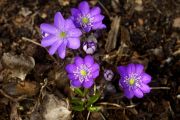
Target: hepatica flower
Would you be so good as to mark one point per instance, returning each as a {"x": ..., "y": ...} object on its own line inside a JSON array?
[
  {"x": 87, "y": 18},
  {"x": 134, "y": 80},
  {"x": 60, "y": 35},
  {"x": 82, "y": 72}
]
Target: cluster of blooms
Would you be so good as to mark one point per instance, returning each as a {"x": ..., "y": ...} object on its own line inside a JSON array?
[
  {"x": 66, "y": 32},
  {"x": 83, "y": 71}
]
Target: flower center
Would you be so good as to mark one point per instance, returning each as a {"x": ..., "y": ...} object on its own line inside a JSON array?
[
  {"x": 62, "y": 34},
  {"x": 83, "y": 72},
  {"x": 132, "y": 81},
  {"x": 85, "y": 20}
]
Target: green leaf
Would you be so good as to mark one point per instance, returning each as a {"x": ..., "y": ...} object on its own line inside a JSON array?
[
  {"x": 78, "y": 108},
  {"x": 94, "y": 108},
  {"x": 93, "y": 99},
  {"x": 78, "y": 91},
  {"x": 77, "y": 101}
]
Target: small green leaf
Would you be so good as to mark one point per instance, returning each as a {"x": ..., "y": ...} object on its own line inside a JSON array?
[
  {"x": 78, "y": 108},
  {"x": 78, "y": 91},
  {"x": 94, "y": 108},
  {"x": 93, "y": 99},
  {"x": 77, "y": 101}
]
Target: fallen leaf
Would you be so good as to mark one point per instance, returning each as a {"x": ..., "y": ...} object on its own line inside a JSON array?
[
  {"x": 23, "y": 88},
  {"x": 55, "y": 109},
  {"x": 176, "y": 22},
  {"x": 18, "y": 65}
]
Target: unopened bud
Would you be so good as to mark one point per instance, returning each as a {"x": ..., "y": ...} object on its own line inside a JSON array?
[{"x": 108, "y": 75}]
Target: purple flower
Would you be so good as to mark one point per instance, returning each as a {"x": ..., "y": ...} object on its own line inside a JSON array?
[
  {"x": 87, "y": 18},
  {"x": 89, "y": 47},
  {"x": 108, "y": 75},
  {"x": 83, "y": 72},
  {"x": 59, "y": 35},
  {"x": 134, "y": 80}
]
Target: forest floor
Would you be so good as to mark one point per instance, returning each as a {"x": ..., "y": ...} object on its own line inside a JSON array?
[{"x": 34, "y": 85}]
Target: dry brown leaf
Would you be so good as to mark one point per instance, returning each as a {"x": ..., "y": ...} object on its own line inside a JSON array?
[
  {"x": 55, "y": 109},
  {"x": 24, "y": 88},
  {"x": 176, "y": 22},
  {"x": 17, "y": 65},
  {"x": 113, "y": 34}
]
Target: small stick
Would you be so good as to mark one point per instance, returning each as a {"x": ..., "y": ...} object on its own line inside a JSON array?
[
  {"x": 88, "y": 115},
  {"x": 160, "y": 88},
  {"x": 11, "y": 98},
  {"x": 38, "y": 44},
  {"x": 107, "y": 12},
  {"x": 116, "y": 105},
  {"x": 102, "y": 116},
  {"x": 32, "y": 41},
  {"x": 7, "y": 96}
]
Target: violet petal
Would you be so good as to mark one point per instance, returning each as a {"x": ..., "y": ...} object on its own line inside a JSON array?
[
  {"x": 74, "y": 32},
  {"x": 95, "y": 74},
  {"x": 98, "y": 18},
  {"x": 69, "y": 24},
  {"x": 88, "y": 84},
  {"x": 54, "y": 47},
  {"x": 88, "y": 60},
  {"x": 48, "y": 28},
  {"x": 78, "y": 61},
  {"x": 128, "y": 93},
  {"x": 139, "y": 68},
  {"x": 146, "y": 78},
  {"x": 48, "y": 41},
  {"x": 145, "y": 88},
  {"x": 70, "y": 68},
  {"x": 131, "y": 68},
  {"x": 95, "y": 67},
  {"x": 62, "y": 50},
  {"x": 59, "y": 20},
  {"x": 95, "y": 11},
  {"x": 138, "y": 93},
  {"x": 75, "y": 83},
  {"x": 84, "y": 7},
  {"x": 73, "y": 43}
]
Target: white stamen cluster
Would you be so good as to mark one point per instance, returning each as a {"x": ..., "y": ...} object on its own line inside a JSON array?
[
  {"x": 78, "y": 75},
  {"x": 135, "y": 77}
]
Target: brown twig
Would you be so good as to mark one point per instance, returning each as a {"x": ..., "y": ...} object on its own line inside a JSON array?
[
  {"x": 88, "y": 115},
  {"x": 107, "y": 12},
  {"x": 11, "y": 98},
  {"x": 160, "y": 88},
  {"x": 38, "y": 44},
  {"x": 32, "y": 41},
  {"x": 116, "y": 105}
]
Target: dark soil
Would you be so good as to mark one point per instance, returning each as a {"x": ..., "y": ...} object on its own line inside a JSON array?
[{"x": 139, "y": 31}]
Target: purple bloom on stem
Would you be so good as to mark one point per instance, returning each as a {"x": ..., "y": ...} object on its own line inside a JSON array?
[
  {"x": 87, "y": 18},
  {"x": 134, "y": 80},
  {"x": 83, "y": 72},
  {"x": 60, "y": 35}
]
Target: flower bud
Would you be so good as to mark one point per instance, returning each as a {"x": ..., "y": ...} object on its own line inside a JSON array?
[
  {"x": 108, "y": 75},
  {"x": 89, "y": 47}
]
